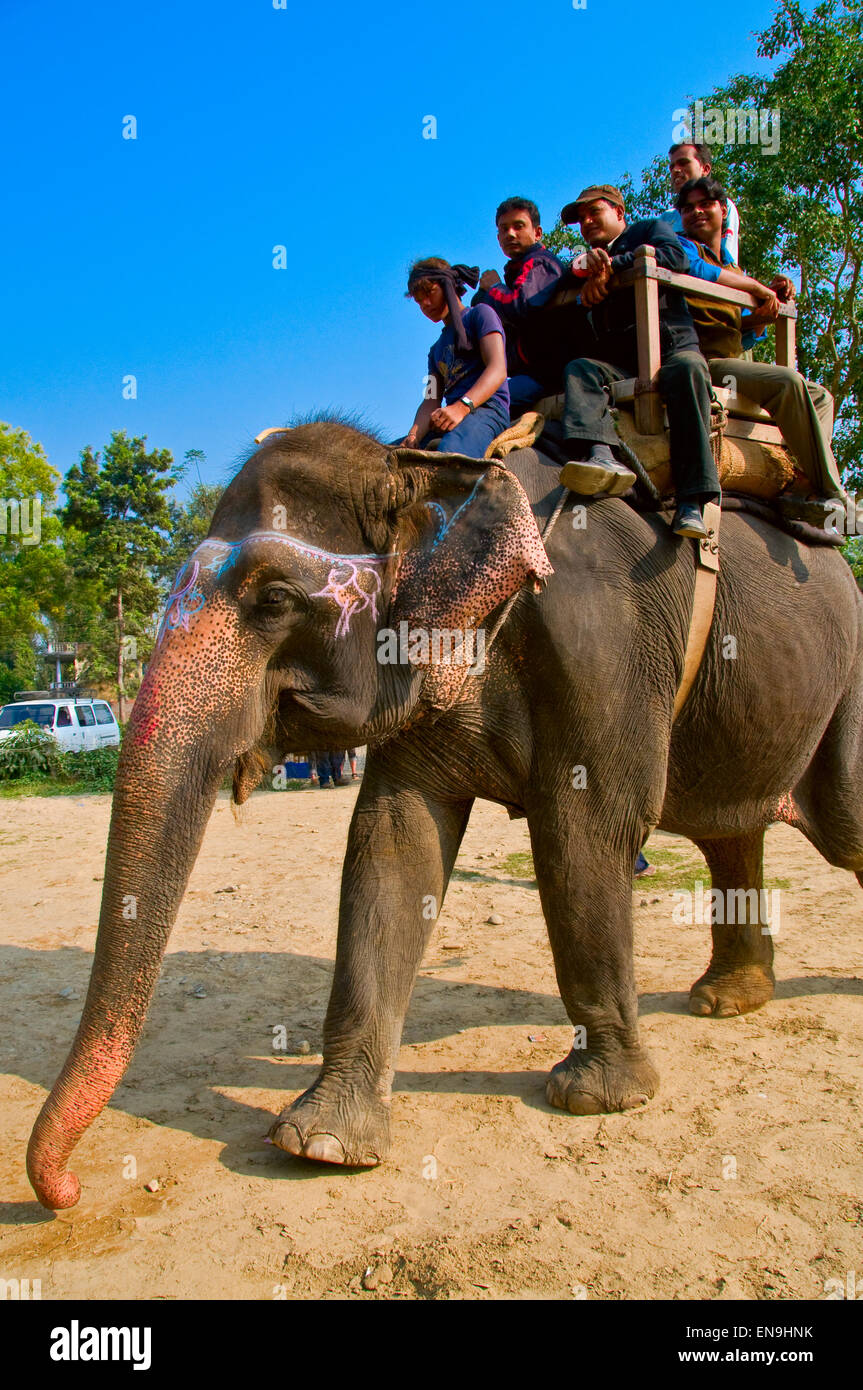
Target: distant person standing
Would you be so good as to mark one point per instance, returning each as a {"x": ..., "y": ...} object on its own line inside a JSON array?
[{"x": 329, "y": 763}]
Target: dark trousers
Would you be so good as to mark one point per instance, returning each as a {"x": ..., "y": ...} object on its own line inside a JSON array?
[
  {"x": 683, "y": 384},
  {"x": 329, "y": 766}
]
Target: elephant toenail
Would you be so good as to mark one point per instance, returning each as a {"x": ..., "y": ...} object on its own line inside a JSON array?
[
  {"x": 324, "y": 1148},
  {"x": 700, "y": 1007},
  {"x": 287, "y": 1137},
  {"x": 583, "y": 1103}
]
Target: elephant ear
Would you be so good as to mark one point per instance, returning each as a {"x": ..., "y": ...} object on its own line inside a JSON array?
[{"x": 475, "y": 542}]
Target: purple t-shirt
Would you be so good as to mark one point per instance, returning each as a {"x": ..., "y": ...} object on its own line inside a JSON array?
[{"x": 459, "y": 371}]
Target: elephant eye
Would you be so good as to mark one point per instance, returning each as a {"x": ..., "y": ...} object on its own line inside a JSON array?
[{"x": 274, "y": 595}]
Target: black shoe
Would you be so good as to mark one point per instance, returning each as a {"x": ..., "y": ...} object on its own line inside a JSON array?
[{"x": 689, "y": 521}]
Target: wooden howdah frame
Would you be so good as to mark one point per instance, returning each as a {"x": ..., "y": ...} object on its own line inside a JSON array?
[{"x": 746, "y": 420}]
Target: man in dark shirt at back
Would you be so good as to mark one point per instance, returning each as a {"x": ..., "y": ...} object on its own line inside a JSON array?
[
  {"x": 683, "y": 381},
  {"x": 541, "y": 337}
]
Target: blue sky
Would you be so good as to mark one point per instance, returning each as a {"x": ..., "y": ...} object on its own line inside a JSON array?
[{"x": 304, "y": 127}]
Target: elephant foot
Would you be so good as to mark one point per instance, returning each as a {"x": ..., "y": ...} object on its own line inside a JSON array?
[
  {"x": 334, "y": 1128},
  {"x": 725, "y": 993},
  {"x": 590, "y": 1085}
]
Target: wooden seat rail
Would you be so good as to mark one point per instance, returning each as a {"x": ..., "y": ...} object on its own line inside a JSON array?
[{"x": 645, "y": 277}]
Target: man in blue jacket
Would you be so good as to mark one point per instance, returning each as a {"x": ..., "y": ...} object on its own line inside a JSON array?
[
  {"x": 540, "y": 336},
  {"x": 683, "y": 381}
]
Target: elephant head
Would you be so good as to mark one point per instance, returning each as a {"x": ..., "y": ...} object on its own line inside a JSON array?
[{"x": 321, "y": 538}]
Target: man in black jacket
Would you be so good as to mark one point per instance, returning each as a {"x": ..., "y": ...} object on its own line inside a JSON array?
[
  {"x": 683, "y": 381},
  {"x": 541, "y": 336}
]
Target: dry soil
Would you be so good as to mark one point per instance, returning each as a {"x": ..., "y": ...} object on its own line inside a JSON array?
[{"x": 742, "y": 1178}]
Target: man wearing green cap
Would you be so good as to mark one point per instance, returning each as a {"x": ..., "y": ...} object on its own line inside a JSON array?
[{"x": 683, "y": 381}]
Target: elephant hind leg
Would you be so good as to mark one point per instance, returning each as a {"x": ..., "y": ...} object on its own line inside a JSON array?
[{"x": 739, "y": 977}]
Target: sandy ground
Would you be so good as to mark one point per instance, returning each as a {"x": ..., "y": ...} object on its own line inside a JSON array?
[{"x": 742, "y": 1178}]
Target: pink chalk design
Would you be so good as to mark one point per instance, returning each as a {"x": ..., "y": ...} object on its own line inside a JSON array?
[
  {"x": 353, "y": 582},
  {"x": 348, "y": 593}
]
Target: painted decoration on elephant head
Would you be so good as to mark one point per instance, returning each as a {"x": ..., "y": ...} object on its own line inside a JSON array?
[
  {"x": 345, "y": 586},
  {"x": 479, "y": 550},
  {"x": 184, "y": 600},
  {"x": 353, "y": 582}
]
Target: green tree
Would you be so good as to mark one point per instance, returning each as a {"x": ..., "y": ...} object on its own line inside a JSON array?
[
  {"x": 81, "y": 619},
  {"x": 564, "y": 241},
  {"x": 31, "y": 561},
  {"x": 801, "y": 209},
  {"x": 853, "y": 552},
  {"x": 118, "y": 519},
  {"x": 193, "y": 458}
]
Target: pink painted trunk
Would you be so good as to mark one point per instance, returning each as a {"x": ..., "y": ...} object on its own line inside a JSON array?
[{"x": 184, "y": 733}]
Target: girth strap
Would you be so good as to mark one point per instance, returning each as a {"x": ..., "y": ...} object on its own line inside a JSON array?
[{"x": 703, "y": 603}]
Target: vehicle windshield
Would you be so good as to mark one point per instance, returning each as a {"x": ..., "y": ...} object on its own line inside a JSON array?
[{"x": 11, "y": 715}]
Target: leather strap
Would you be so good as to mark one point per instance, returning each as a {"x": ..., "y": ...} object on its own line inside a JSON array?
[{"x": 703, "y": 603}]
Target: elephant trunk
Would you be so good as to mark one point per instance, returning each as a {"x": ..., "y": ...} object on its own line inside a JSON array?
[{"x": 170, "y": 769}]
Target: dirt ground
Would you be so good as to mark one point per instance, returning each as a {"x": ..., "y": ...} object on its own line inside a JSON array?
[{"x": 742, "y": 1178}]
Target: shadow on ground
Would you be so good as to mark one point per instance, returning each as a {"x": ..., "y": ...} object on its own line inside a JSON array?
[{"x": 236, "y": 1002}]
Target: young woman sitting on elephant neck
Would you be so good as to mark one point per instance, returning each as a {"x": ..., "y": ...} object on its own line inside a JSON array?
[{"x": 466, "y": 366}]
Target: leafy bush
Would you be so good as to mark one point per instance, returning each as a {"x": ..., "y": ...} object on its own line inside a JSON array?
[
  {"x": 31, "y": 754},
  {"x": 28, "y": 752},
  {"x": 853, "y": 552},
  {"x": 94, "y": 769}
]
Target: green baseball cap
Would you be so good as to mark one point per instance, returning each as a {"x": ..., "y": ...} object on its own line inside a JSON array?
[{"x": 607, "y": 191}]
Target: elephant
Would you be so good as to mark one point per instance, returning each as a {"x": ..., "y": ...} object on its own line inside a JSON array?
[{"x": 325, "y": 541}]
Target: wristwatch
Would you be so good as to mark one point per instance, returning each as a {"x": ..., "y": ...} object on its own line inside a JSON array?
[{"x": 466, "y": 400}]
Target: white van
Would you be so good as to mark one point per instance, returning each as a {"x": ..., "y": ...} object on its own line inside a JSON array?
[{"x": 77, "y": 724}]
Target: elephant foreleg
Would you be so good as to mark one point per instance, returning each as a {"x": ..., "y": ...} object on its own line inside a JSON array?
[
  {"x": 586, "y": 892},
  {"x": 739, "y": 977},
  {"x": 401, "y": 849}
]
